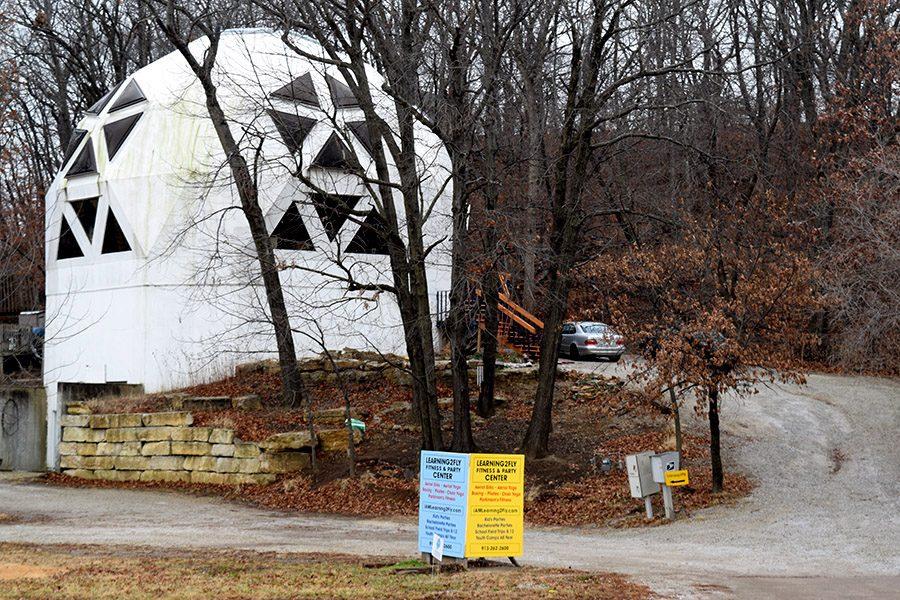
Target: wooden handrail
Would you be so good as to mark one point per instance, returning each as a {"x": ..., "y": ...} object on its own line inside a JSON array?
[
  {"x": 527, "y": 315},
  {"x": 522, "y": 322},
  {"x": 517, "y": 309},
  {"x": 512, "y": 315},
  {"x": 502, "y": 278}
]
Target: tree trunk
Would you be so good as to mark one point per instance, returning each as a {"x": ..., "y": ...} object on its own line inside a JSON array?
[
  {"x": 292, "y": 392},
  {"x": 462, "y": 420},
  {"x": 422, "y": 355},
  {"x": 291, "y": 384},
  {"x": 677, "y": 416},
  {"x": 458, "y": 320},
  {"x": 311, "y": 428},
  {"x": 407, "y": 261},
  {"x": 490, "y": 296},
  {"x": 568, "y": 178},
  {"x": 424, "y": 392},
  {"x": 491, "y": 279},
  {"x": 536, "y": 191},
  {"x": 348, "y": 416},
  {"x": 537, "y": 436},
  {"x": 715, "y": 448}
]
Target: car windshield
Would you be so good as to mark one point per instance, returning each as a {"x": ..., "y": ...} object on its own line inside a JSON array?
[{"x": 595, "y": 328}]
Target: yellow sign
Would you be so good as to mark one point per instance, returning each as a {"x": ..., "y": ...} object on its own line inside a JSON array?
[
  {"x": 496, "y": 510},
  {"x": 677, "y": 478}
]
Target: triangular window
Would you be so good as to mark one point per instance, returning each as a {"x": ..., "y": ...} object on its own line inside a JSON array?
[
  {"x": 291, "y": 233},
  {"x": 68, "y": 246},
  {"x": 131, "y": 95},
  {"x": 85, "y": 162},
  {"x": 293, "y": 128},
  {"x": 361, "y": 130},
  {"x": 299, "y": 90},
  {"x": 114, "y": 239},
  {"x": 74, "y": 142},
  {"x": 86, "y": 211},
  {"x": 333, "y": 211},
  {"x": 341, "y": 95},
  {"x": 371, "y": 237},
  {"x": 116, "y": 133},
  {"x": 97, "y": 107},
  {"x": 334, "y": 154}
]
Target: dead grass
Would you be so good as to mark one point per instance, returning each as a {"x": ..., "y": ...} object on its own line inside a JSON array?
[
  {"x": 141, "y": 573},
  {"x": 10, "y": 571}
]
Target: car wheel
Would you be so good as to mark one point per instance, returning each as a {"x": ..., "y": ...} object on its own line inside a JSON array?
[
  {"x": 573, "y": 351},
  {"x": 615, "y": 358}
]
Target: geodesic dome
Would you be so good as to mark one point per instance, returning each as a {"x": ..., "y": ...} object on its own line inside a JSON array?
[{"x": 151, "y": 273}]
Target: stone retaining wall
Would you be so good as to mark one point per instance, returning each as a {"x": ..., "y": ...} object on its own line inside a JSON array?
[{"x": 166, "y": 447}]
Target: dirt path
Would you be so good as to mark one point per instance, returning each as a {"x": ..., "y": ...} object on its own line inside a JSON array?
[{"x": 824, "y": 520}]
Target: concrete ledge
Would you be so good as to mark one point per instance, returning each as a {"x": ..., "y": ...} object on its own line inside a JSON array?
[
  {"x": 117, "y": 420},
  {"x": 118, "y": 475},
  {"x": 337, "y": 439},
  {"x": 222, "y": 450},
  {"x": 168, "y": 419},
  {"x": 87, "y": 462},
  {"x": 156, "y": 449},
  {"x": 119, "y": 449},
  {"x": 83, "y": 434},
  {"x": 176, "y": 476},
  {"x": 191, "y": 448},
  {"x": 284, "y": 462},
  {"x": 74, "y": 420},
  {"x": 221, "y": 436},
  {"x": 292, "y": 440}
]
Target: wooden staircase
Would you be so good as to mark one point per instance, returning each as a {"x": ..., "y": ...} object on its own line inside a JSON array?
[{"x": 517, "y": 328}]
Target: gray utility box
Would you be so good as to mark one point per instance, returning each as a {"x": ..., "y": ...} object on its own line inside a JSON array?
[
  {"x": 665, "y": 461},
  {"x": 23, "y": 428},
  {"x": 640, "y": 476}
]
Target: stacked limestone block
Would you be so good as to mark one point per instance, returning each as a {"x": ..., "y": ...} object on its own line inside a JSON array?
[{"x": 166, "y": 447}]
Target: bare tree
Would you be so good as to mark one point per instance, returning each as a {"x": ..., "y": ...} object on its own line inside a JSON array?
[
  {"x": 463, "y": 81},
  {"x": 604, "y": 79},
  {"x": 392, "y": 37},
  {"x": 180, "y": 26}
]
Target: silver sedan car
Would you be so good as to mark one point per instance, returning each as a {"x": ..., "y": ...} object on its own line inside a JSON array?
[{"x": 586, "y": 338}]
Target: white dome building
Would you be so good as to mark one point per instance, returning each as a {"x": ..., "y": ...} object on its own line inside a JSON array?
[{"x": 152, "y": 278}]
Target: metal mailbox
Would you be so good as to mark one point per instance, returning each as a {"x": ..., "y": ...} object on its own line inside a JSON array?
[{"x": 665, "y": 461}]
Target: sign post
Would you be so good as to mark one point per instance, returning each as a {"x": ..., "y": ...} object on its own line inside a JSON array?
[
  {"x": 473, "y": 502},
  {"x": 437, "y": 552},
  {"x": 668, "y": 502},
  {"x": 661, "y": 465}
]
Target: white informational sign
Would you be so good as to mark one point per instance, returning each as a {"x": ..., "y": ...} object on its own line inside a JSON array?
[
  {"x": 437, "y": 547},
  {"x": 473, "y": 502}
]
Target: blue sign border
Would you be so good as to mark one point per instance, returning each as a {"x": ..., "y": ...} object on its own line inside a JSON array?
[{"x": 443, "y": 497}]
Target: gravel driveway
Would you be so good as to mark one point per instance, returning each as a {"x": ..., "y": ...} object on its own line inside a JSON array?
[{"x": 824, "y": 520}]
